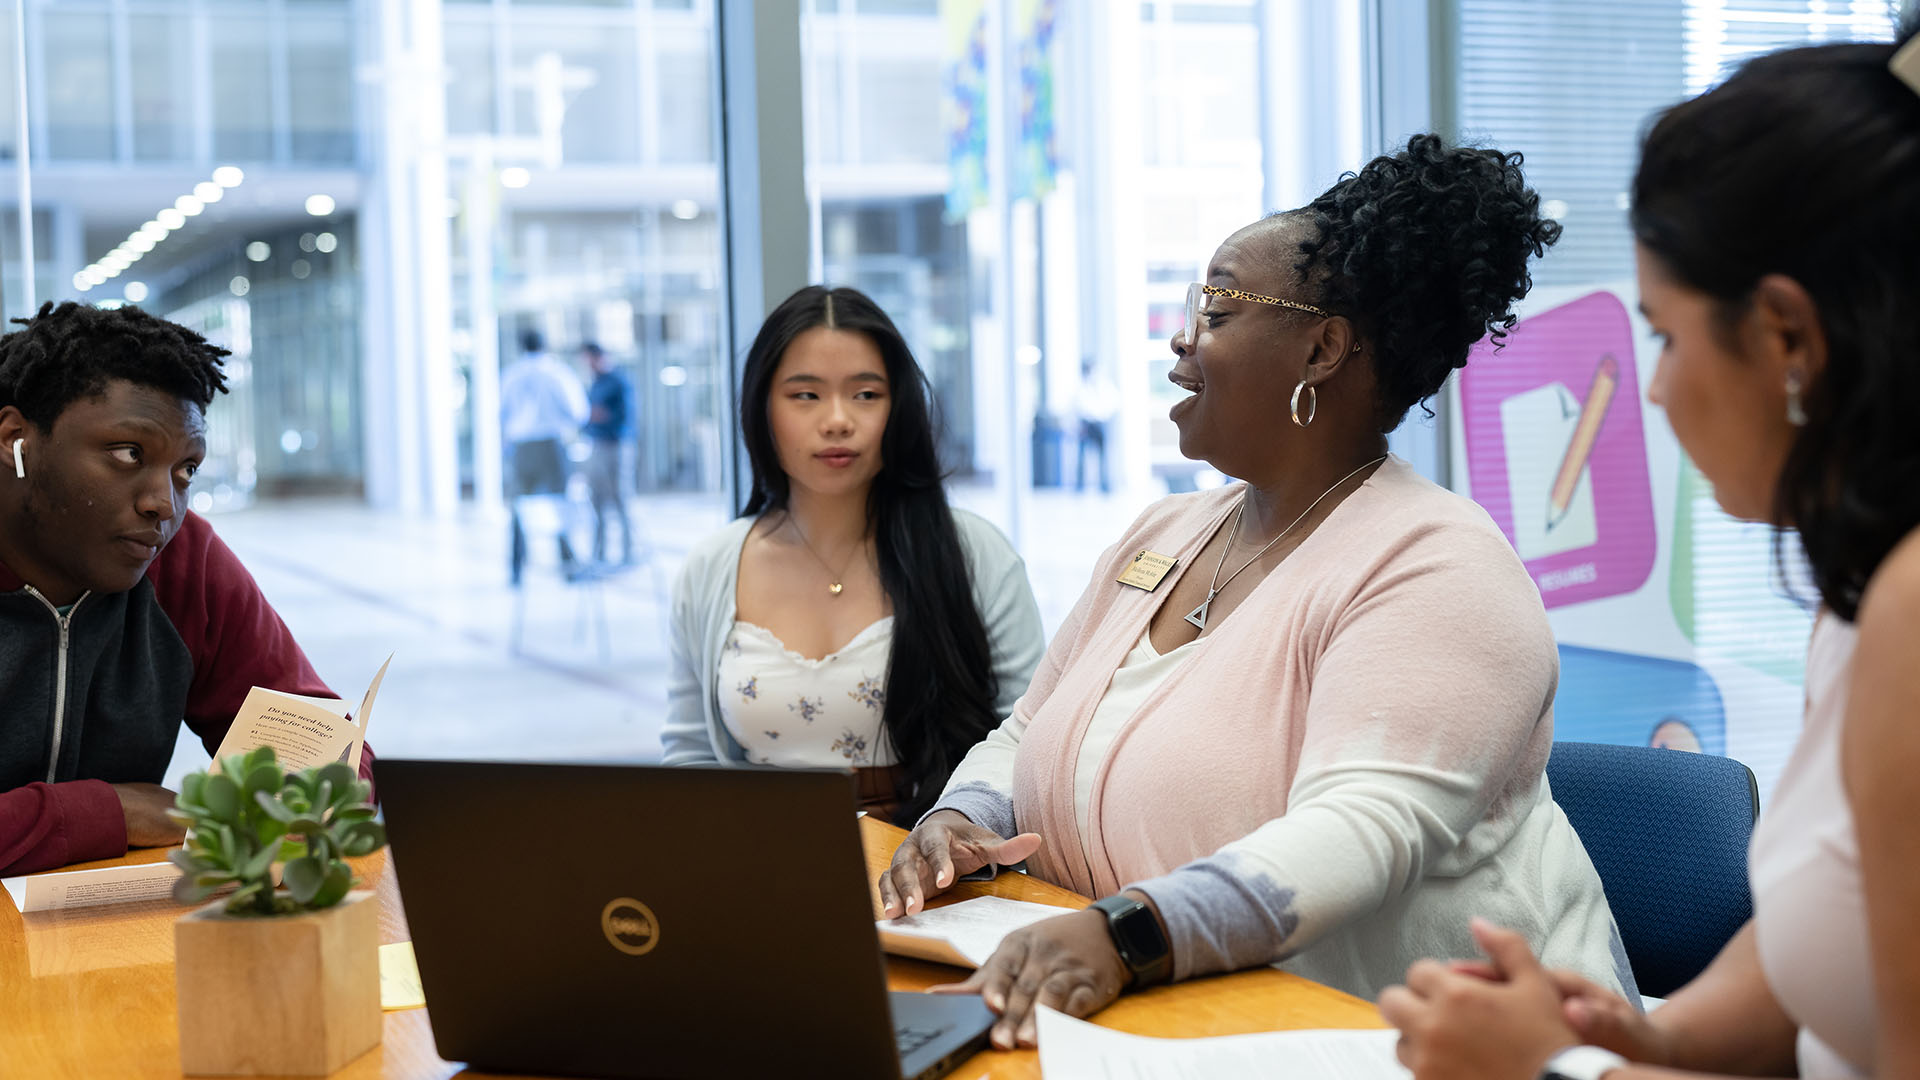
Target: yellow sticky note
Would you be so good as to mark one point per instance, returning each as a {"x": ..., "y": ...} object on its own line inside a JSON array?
[{"x": 400, "y": 977}]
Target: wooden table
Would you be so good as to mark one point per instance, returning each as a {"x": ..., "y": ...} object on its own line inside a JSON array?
[{"x": 89, "y": 993}]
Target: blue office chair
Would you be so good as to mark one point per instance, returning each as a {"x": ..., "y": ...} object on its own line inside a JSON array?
[{"x": 1668, "y": 831}]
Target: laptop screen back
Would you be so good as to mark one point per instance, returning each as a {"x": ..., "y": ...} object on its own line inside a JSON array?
[{"x": 636, "y": 921}]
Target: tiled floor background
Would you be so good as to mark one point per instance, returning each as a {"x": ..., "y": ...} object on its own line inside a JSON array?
[{"x": 355, "y": 584}]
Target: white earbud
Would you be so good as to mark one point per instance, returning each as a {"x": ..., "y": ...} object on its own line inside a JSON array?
[{"x": 19, "y": 463}]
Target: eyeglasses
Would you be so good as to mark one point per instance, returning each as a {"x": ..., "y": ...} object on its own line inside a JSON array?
[{"x": 1197, "y": 298}]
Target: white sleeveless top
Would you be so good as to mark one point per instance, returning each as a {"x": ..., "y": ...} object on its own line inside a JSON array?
[
  {"x": 1810, "y": 916},
  {"x": 1139, "y": 675},
  {"x": 785, "y": 709}
]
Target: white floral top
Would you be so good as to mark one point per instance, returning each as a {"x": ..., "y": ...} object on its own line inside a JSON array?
[{"x": 785, "y": 709}]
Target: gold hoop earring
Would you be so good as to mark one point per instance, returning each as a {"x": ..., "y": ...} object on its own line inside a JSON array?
[{"x": 1313, "y": 403}]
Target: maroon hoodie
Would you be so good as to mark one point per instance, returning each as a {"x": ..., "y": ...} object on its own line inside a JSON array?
[{"x": 96, "y": 697}]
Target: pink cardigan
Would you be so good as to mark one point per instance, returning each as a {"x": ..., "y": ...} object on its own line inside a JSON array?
[{"x": 1344, "y": 770}]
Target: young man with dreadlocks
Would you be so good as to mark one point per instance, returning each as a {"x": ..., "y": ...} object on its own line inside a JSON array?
[{"x": 121, "y": 613}]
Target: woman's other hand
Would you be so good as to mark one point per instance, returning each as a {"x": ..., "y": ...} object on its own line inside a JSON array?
[
  {"x": 941, "y": 850},
  {"x": 1500, "y": 1023}
]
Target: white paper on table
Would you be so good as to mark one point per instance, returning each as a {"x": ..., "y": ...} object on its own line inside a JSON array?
[
  {"x": 1536, "y": 427},
  {"x": 84, "y": 888},
  {"x": 963, "y": 934},
  {"x": 1076, "y": 1050}
]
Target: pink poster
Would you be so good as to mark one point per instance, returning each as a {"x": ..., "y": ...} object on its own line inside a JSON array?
[{"x": 1556, "y": 452}]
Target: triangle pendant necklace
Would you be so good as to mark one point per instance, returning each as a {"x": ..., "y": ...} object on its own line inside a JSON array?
[{"x": 1198, "y": 616}]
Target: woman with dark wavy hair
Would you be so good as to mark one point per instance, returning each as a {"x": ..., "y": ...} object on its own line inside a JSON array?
[
  {"x": 1319, "y": 737},
  {"x": 1777, "y": 229},
  {"x": 849, "y": 617}
]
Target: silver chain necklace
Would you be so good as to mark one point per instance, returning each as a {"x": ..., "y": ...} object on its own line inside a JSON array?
[{"x": 1198, "y": 616}]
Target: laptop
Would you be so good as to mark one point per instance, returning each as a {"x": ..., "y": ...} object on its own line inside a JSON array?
[{"x": 634, "y": 921}]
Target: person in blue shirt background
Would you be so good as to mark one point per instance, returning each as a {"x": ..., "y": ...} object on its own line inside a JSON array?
[
  {"x": 541, "y": 407},
  {"x": 609, "y": 418}
]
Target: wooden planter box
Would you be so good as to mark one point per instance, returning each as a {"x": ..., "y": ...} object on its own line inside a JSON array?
[{"x": 294, "y": 995}]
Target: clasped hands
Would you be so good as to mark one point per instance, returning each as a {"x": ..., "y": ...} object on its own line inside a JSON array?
[
  {"x": 1502, "y": 1018},
  {"x": 1068, "y": 963}
]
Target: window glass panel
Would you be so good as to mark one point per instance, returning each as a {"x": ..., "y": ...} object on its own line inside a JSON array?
[
  {"x": 1053, "y": 425},
  {"x": 471, "y": 81},
  {"x": 587, "y": 68},
  {"x": 364, "y": 333},
  {"x": 242, "y": 91},
  {"x": 686, "y": 102},
  {"x": 78, "y": 85},
  {"x": 7, "y": 91},
  {"x": 900, "y": 110},
  {"x": 320, "y": 86},
  {"x": 159, "y": 52}
]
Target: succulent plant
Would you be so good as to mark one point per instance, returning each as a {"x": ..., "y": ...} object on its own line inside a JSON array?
[{"x": 250, "y": 815}]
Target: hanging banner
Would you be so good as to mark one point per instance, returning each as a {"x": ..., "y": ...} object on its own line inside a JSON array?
[
  {"x": 965, "y": 107},
  {"x": 1036, "y": 158},
  {"x": 1673, "y": 627}
]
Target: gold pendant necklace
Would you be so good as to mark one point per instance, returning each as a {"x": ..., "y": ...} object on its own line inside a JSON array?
[{"x": 834, "y": 580}]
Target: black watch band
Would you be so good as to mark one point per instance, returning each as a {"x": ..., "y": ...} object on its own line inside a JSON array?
[{"x": 1139, "y": 939}]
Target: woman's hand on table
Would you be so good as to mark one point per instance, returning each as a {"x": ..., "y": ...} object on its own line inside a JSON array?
[
  {"x": 1067, "y": 963},
  {"x": 944, "y": 848},
  {"x": 1497, "y": 1021}
]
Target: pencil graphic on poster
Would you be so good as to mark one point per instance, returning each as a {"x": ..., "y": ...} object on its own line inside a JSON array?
[{"x": 1606, "y": 378}]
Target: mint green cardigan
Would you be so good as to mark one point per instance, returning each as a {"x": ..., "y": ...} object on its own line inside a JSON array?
[{"x": 703, "y": 614}]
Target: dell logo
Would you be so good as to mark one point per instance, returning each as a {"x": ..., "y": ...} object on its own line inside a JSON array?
[{"x": 629, "y": 926}]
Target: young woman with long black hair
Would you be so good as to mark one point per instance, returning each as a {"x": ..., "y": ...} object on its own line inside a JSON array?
[{"x": 849, "y": 617}]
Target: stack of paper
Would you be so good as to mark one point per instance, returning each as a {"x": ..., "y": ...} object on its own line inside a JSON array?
[
  {"x": 962, "y": 934},
  {"x": 1076, "y": 1050}
]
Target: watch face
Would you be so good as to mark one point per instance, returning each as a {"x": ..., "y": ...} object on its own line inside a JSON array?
[{"x": 1138, "y": 934}]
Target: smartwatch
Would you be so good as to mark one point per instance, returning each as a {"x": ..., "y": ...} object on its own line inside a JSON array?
[
  {"x": 1581, "y": 1063},
  {"x": 1137, "y": 935}
]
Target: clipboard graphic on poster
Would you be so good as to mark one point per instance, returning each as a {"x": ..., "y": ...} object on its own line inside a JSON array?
[{"x": 1550, "y": 436}]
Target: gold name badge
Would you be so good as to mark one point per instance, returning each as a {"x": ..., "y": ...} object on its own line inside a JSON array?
[{"x": 1147, "y": 569}]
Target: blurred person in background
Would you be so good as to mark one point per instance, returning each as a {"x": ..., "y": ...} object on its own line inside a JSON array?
[
  {"x": 1096, "y": 404},
  {"x": 542, "y": 408},
  {"x": 609, "y": 422}
]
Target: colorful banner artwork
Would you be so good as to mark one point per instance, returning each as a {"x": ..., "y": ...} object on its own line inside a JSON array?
[
  {"x": 966, "y": 105},
  {"x": 1673, "y": 626},
  {"x": 1036, "y": 159}
]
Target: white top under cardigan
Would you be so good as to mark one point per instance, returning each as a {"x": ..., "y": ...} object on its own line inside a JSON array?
[
  {"x": 704, "y": 615},
  {"x": 1140, "y": 674}
]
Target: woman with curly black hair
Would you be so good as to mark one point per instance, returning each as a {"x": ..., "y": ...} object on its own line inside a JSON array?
[{"x": 1302, "y": 718}]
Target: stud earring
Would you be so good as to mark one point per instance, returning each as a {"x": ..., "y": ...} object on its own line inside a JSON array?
[
  {"x": 19, "y": 461},
  {"x": 1796, "y": 413}
]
